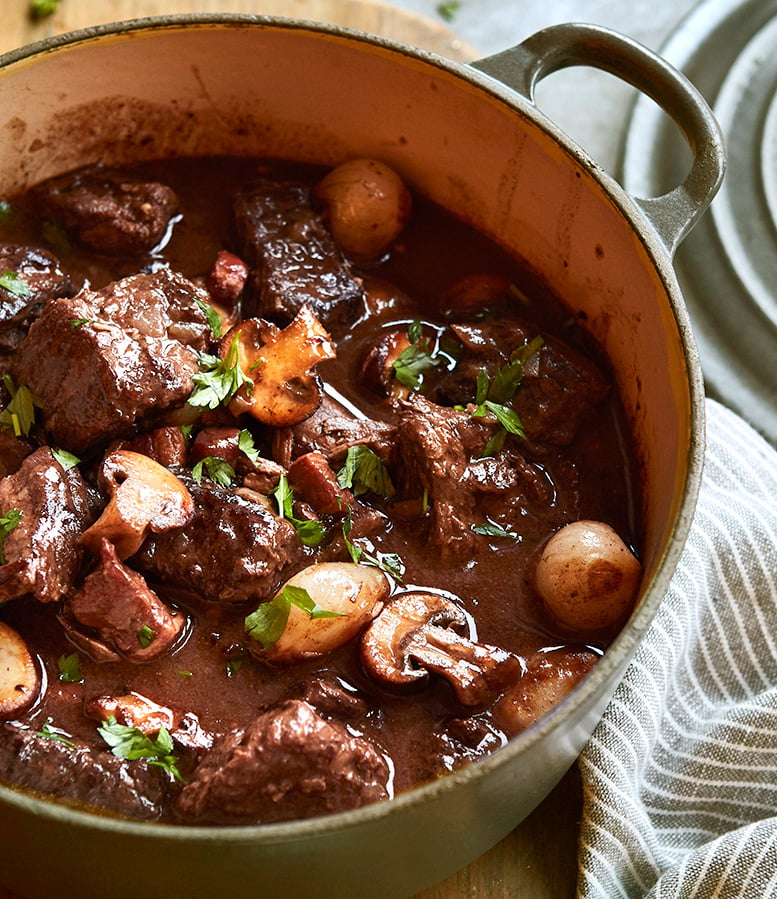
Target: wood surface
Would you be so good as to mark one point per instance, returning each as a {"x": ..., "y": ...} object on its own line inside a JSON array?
[{"x": 538, "y": 859}]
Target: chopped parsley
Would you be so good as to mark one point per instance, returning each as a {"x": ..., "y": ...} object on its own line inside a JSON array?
[
  {"x": 234, "y": 664},
  {"x": 389, "y": 563},
  {"x": 66, "y": 460},
  {"x": 19, "y": 414},
  {"x": 6, "y": 211},
  {"x": 267, "y": 624},
  {"x": 219, "y": 379},
  {"x": 8, "y": 522},
  {"x": 131, "y": 743},
  {"x": 311, "y": 533},
  {"x": 492, "y": 529},
  {"x": 447, "y": 9},
  {"x": 146, "y": 636},
  {"x": 41, "y": 9},
  {"x": 59, "y": 736},
  {"x": 79, "y": 322},
  {"x": 218, "y": 470},
  {"x": 416, "y": 360},
  {"x": 213, "y": 318},
  {"x": 364, "y": 471},
  {"x": 15, "y": 285},
  {"x": 69, "y": 668},
  {"x": 245, "y": 443}
]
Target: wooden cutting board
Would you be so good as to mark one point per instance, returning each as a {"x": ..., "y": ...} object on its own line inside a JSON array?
[{"x": 538, "y": 860}]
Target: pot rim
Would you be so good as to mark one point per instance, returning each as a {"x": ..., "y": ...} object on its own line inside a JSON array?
[{"x": 623, "y": 646}]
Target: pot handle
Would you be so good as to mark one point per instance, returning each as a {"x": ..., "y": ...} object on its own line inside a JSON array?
[{"x": 673, "y": 214}]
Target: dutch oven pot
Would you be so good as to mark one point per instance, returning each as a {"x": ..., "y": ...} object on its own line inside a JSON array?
[{"x": 471, "y": 138}]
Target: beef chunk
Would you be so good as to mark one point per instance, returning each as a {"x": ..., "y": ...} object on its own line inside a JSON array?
[
  {"x": 40, "y": 279},
  {"x": 559, "y": 389},
  {"x": 113, "y": 356},
  {"x": 167, "y": 446},
  {"x": 13, "y": 450},
  {"x": 234, "y": 548},
  {"x": 99, "y": 779},
  {"x": 107, "y": 210},
  {"x": 314, "y": 481},
  {"x": 331, "y": 430},
  {"x": 289, "y": 763},
  {"x": 42, "y": 550},
  {"x": 294, "y": 258},
  {"x": 126, "y": 614},
  {"x": 441, "y": 450}
]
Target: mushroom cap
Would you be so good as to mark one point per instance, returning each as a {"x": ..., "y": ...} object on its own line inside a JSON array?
[{"x": 20, "y": 679}]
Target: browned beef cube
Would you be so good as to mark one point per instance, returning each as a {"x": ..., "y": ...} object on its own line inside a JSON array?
[
  {"x": 559, "y": 389},
  {"x": 35, "y": 278},
  {"x": 233, "y": 549},
  {"x": 127, "y": 615},
  {"x": 289, "y": 763},
  {"x": 92, "y": 777},
  {"x": 13, "y": 450},
  {"x": 101, "y": 360},
  {"x": 442, "y": 453},
  {"x": 42, "y": 551},
  {"x": 294, "y": 257},
  {"x": 331, "y": 430},
  {"x": 108, "y": 211}
]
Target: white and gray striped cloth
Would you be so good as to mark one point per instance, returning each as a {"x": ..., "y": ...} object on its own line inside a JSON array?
[{"x": 680, "y": 777}]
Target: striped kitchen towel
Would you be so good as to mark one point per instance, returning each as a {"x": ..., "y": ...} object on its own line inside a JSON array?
[{"x": 680, "y": 777}]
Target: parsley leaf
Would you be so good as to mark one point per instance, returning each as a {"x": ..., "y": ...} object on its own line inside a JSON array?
[
  {"x": 79, "y": 322},
  {"x": 50, "y": 733},
  {"x": 131, "y": 743},
  {"x": 364, "y": 470},
  {"x": 213, "y": 318},
  {"x": 492, "y": 529},
  {"x": 69, "y": 668},
  {"x": 146, "y": 636},
  {"x": 41, "y": 9},
  {"x": 416, "y": 360},
  {"x": 15, "y": 285},
  {"x": 8, "y": 522},
  {"x": 219, "y": 379},
  {"x": 390, "y": 563},
  {"x": 234, "y": 664},
  {"x": 447, "y": 9},
  {"x": 6, "y": 211},
  {"x": 66, "y": 460},
  {"x": 311, "y": 533},
  {"x": 19, "y": 414},
  {"x": 245, "y": 443},
  {"x": 218, "y": 470},
  {"x": 267, "y": 624}
]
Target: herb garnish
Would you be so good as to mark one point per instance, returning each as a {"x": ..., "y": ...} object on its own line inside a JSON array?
[
  {"x": 131, "y": 743},
  {"x": 311, "y": 533},
  {"x": 79, "y": 322},
  {"x": 234, "y": 664},
  {"x": 15, "y": 285},
  {"x": 8, "y": 522},
  {"x": 66, "y": 460},
  {"x": 219, "y": 379},
  {"x": 492, "y": 529},
  {"x": 213, "y": 318},
  {"x": 48, "y": 733},
  {"x": 447, "y": 9},
  {"x": 245, "y": 443},
  {"x": 416, "y": 360},
  {"x": 390, "y": 563},
  {"x": 267, "y": 624},
  {"x": 69, "y": 668},
  {"x": 146, "y": 636},
  {"x": 41, "y": 9},
  {"x": 6, "y": 211},
  {"x": 364, "y": 471},
  {"x": 218, "y": 470},
  {"x": 19, "y": 414}
]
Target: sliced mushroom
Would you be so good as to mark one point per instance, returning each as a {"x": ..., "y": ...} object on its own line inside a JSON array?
[
  {"x": 416, "y": 633},
  {"x": 587, "y": 576},
  {"x": 354, "y": 593},
  {"x": 367, "y": 206},
  {"x": 145, "y": 497},
  {"x": 279, "y": 363},
  {"x": 19, "y": 676}
]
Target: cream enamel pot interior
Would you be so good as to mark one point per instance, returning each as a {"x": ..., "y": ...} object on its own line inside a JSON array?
[{"x": 471, "y": 138}]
